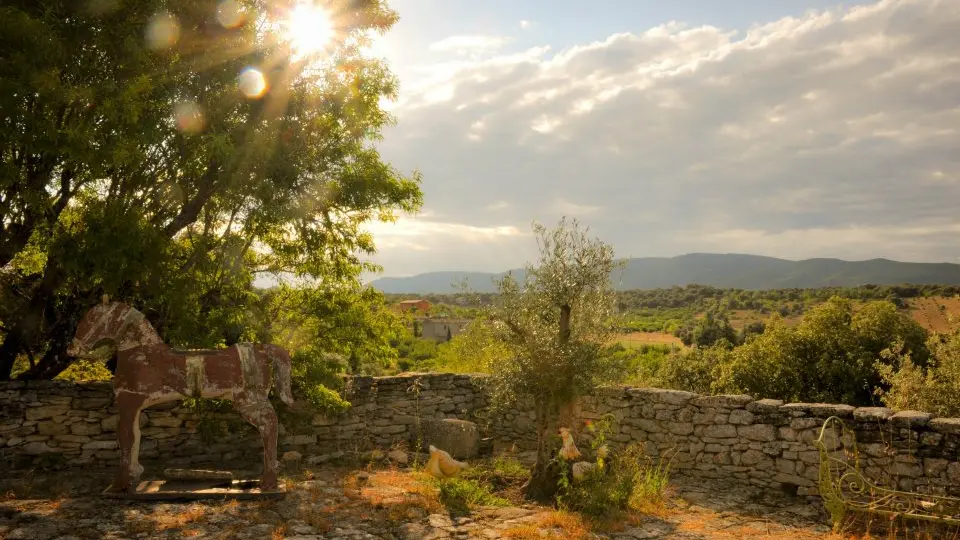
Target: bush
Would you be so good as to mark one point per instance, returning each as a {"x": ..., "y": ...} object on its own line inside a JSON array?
[
  {"x": 934, "y": 389},
  {"x": 621, "y": 480},
  {"x": 693, "y": 370},
  {"x": 316, "y": 377},
  {"x": 85, "y": 370},
  {"x": 831, "y": 356}
]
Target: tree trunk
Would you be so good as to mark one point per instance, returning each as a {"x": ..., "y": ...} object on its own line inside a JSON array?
[
  {"x": 62, "y": 322},
  {"x": 542, "y": 485},
  {"x": 25, "y": 330}
]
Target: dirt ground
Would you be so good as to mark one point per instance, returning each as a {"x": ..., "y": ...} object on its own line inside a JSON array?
[{"x": 389, "y": 502}]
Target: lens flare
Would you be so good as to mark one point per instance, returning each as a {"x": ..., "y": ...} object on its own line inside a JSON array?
[
  {"x": 230, "y": 14},
  {"x": 252, "y": 83},
  {"x": 189, "y": 117},
  {"x": 163, "y": 31},
  {"x": 308, "y": 28}
]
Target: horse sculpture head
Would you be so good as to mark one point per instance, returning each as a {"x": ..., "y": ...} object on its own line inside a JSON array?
[{"x": 103, "y": 325}]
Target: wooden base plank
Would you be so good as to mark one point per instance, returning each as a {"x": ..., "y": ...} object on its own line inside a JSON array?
[{"x": 195, "y": 490}]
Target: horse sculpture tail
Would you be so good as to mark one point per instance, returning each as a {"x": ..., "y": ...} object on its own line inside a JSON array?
[{"x": 281, "y": 372}]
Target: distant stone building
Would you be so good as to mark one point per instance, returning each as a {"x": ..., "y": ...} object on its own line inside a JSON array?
[
  {"x": 442, "y": 329},
  {"x": 418, "y": 306}
]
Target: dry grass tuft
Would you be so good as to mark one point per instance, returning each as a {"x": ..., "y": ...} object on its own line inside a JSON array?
[
  {"x": 557, "y": 524},
  {"x": 179, "y": 520},
  {"x": 869, "y": 527}
]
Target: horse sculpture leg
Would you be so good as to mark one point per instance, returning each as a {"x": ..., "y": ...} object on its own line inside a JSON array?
[
  {"x": 261, "y": 414},
  {"x": 129, "y": 406}
]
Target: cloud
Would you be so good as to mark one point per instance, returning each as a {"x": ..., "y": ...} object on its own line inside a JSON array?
[
  {"x": 568, "y": 208},
  {"x": 470, "y": 44},
  {"x": 404, "y": 244},
  {"x": 830, "y": 134},
  {"x": 526, "y": 25}
]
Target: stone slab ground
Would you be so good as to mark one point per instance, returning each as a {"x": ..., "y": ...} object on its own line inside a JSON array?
[{"x": 391, "y": 503}]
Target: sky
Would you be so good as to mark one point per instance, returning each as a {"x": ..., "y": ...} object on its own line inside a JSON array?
[{"x": 786, "y": 128}]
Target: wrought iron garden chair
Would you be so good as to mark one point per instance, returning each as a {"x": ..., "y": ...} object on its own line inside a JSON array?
[{"x": 844, "y": 488}]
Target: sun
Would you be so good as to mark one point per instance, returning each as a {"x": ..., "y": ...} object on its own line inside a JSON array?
[{"x": 308, "y": 29}]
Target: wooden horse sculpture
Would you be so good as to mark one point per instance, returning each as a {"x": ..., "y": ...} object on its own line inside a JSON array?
[{"x": 150, "y": 372}]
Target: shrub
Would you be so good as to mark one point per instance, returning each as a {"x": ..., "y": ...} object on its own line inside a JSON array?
[
  {"x": 935, "y": 388},
  {"x": 623, "y": 479},
  {"x": 831, "y": 356},
  {"x": 85, "y": 370},
  {"x": 692, "y": 370}
]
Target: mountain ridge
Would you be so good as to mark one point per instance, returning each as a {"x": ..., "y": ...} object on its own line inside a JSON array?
[{"x": 725, "y": 270}]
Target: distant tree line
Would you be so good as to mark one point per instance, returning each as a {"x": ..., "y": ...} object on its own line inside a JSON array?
[{"x": 783, "y": 301}]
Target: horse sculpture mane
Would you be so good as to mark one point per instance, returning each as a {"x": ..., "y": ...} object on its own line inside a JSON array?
[{"x": 149, "y": 372}]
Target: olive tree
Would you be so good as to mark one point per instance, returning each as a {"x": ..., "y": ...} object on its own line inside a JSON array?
[{"x": 554, "y": 323}]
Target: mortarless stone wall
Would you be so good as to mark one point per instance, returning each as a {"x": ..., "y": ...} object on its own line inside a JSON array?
[{"x": 761, "y": 442}]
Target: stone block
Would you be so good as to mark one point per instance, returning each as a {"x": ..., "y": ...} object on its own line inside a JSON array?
[
  {"x": 741, "y": 416},
  {"x": 36, "y": 448},
  {"x": 934, "y": 466},
  {"x": 910, "y": 419},
  {"x": 758, "y": 432},
  {"x": 85, "y": 428},
  {"x": 786, "y": 466},
  {"x": 946, "y": 425},
  {"x": 872, "y": 414},
  {"x": 88, "y": 403},
  {"x": 47, "y": 411},
  {"x": 649, "y": 426},
  {"x": 680, "y": 428},
  {"x": 764, "y": 406},
  {"x": 49, "y": 427},
  {"x": 953, "y": 473},
  {"x": 795, "y": 480},
  {"x": 460, "y": 438},
  {"x": 166, "y": 421},
  {"x": 721, "y": 431},
  {"x": 734, "y": 401},
  {"x": 100, "y": 445},
  {"x": 819, "y": 410}
]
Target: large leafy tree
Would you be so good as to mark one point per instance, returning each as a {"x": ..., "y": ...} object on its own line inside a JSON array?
[
  {"x": 554, "y": 325},
  {"x": 149, "y": 168}
]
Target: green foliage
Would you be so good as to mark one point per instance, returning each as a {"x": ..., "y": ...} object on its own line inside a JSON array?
[
  {"x": 105, "y": 191},
  {"x": 348, "y": 322},
  {"x": 619, "y": 479},
  {"x": 315, "y": 376},
  {"x": 510, "y": 469},
  {"x": 85, "y": 370},
  {"x": 460, "y": 495},
  {"x": 641, "y": 362},
  {"x": 655, "y": 319},
  {"x": 694, "y": 370},
  {"x": 415, "y": 354},
  {"x": 830, "y": 356},
  {"x": 553, "y": 327},
  {"x": 708, "y": 330},
  {"x": 934, "y": 388},
  {"x": 475, "y": 350}
]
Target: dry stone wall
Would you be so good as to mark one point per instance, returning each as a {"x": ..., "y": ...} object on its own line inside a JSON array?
[
  {"x": 60, "y": 424},
  {"x": 762, "y": 442}
]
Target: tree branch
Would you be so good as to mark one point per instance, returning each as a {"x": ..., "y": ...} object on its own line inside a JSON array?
[{"x": 191, "y": 210}]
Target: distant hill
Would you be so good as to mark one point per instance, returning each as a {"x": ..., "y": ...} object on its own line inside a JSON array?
[{"x": 718, "y": 270}]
